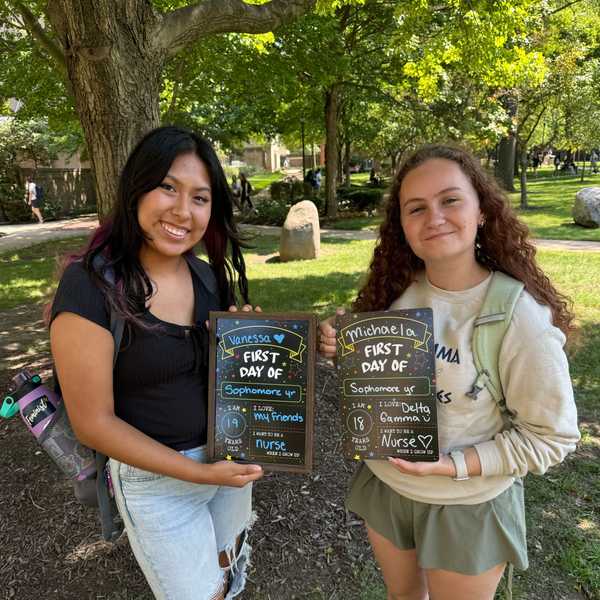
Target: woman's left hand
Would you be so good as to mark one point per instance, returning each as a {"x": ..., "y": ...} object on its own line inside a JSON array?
[
  {"x": 245, "y": 308},
  {"x": 444, "y": 466}
]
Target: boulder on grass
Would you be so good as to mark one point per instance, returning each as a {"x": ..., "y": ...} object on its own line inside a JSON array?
[
  {"x": 586, "y": 210},
  {"x": 300, "y": 234}
]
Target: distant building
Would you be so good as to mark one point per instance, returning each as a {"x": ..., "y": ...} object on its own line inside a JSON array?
[{"x": 265, "y": 157}]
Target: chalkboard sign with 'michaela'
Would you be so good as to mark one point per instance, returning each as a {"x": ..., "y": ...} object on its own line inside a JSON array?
[
  {"x": 261, "y": 389},
  {"x": 386, "y": 365}
]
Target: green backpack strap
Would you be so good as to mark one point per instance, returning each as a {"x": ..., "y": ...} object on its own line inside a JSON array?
[{"x": 488, "y": 333}]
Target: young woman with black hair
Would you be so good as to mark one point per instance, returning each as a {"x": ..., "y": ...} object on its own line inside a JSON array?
[
  {"x": 445, "y": 530},
  {"x": 186, "y": 520}
]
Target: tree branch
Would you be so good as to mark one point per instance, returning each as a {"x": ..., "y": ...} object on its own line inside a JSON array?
[
  {"x": 557, "y": 10},
  {"x": 38, "y": 32},
  {"x": 190, "y": 23},
  {"x": 526, "y": 141}
]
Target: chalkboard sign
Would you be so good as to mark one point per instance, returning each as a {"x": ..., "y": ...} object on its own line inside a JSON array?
[
  {"x": 261, "y": 389},
  {"x": 386, "y": 364}
]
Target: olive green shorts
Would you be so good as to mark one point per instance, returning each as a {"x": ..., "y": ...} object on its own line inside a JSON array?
[{"x": 467, "y": 539}]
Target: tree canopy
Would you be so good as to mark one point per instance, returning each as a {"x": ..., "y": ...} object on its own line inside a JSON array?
[{"x": 377, "y": 75}]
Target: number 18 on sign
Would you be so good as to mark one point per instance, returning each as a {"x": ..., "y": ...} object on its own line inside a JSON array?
[{"x": 386, "y": 364}]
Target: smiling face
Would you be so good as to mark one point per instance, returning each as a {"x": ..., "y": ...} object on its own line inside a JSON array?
[
  {"x": 439, "y": 213},
  {"x": 175, "y": 215}
]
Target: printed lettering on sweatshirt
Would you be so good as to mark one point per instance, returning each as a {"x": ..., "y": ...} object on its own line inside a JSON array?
[{"x": 449, "y": 354}]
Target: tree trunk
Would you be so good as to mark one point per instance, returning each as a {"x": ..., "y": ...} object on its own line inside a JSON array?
[
  {"x": 347, "y": 148},
  {"x": 331, "y": 150},
  {"x": 505, "y": 170},
  {"x": 116, "y": 77},
  {"x": 113, "y": 54},
  {"x": 523, "y": 178}
]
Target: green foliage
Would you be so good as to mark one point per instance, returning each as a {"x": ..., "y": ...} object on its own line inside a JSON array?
[
  {"x": 13, "y": 207},
  {"x": 28, "y": 73},
  {"x": 27, "y": 141},
  {"x": 273, "y": 209},
  {"x": 291, "y": 192},
  {"x": 269, "y": 212},
  {"x": 361, "y": 199}
]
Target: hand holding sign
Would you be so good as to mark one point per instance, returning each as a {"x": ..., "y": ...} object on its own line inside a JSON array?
[
  {"x": 231, "y": 474},
  {"x": 328, "y": 335}
]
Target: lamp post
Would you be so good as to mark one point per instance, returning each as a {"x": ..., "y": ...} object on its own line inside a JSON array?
[{"x": 303, "y": 153}]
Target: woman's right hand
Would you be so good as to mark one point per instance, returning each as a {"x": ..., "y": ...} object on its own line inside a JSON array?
[
  {"x": 232, "y": 474},
  {"x": 327, "y": 335}
]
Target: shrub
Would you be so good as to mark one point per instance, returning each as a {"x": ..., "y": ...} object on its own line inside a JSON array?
[
  {"x": 280, "y": 191},
  {"x": 362, "y": 199},
  {"x": 52, "y": 209},
  {"x": 268, "y": 212},
  {"x": 292, "y": 192},
  {"x": 13, "y": 207}
]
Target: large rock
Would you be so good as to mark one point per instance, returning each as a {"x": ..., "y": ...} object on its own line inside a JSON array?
[
  {"x": 586, "y": 210},
  {"x": 300, "y": 234}
]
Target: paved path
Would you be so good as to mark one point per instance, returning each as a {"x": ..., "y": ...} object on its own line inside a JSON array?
[{"x": 13, "y": 237}]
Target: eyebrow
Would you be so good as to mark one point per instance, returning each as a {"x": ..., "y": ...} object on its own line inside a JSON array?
[
  {"x": 448, "y": 189},
  {"x": 203, "y": 188}
]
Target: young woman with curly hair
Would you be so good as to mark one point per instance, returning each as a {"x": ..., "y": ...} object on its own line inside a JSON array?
[{"x": 447, "y": 529}]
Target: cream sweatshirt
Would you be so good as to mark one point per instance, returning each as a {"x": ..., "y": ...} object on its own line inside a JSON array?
[{"x": 535, "y": 378}]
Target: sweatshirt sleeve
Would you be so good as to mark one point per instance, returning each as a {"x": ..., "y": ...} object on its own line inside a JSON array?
[{"x": 539, "y": 395}]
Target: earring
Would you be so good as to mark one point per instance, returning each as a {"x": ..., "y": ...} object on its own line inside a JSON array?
[{"x": 481, "y": 222}]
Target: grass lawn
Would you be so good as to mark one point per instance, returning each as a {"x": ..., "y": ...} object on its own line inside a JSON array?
[
  {"x": 563, "y": 506},
  {"x": 550, "y": 204},
  {"x": 262, "y": 180},
  {"x": 548, "y": 216}
]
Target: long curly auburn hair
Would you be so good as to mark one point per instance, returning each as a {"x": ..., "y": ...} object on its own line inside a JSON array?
[{"x": 502, "y": 243}]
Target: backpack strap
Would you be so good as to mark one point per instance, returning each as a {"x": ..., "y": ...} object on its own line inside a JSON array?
[
  {"x": 108, "y": 513},
  {"x": 488, "y": 334},
  {"x": 204, "y": 272}
]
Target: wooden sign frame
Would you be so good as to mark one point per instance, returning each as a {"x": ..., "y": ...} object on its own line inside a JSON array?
[
  {"x": 393, "y": 413},
  {"x": 307, "y": 356}
]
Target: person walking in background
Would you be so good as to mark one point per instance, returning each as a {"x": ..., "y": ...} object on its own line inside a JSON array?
[
  {"x": 33, "y": 197},
  {"x": 317, "y": 185},
  {"x": 245, "y": 192},
  {"x": 236, "y": 190},
  {"x": 556, "y": 163},
  {"x": 594, "y": 161}
]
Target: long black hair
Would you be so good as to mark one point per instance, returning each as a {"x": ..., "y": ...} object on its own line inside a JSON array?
[{"x": 120, "y": 239}]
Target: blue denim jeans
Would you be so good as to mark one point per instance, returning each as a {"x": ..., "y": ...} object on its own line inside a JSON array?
[{"x": 177, "y": 529}]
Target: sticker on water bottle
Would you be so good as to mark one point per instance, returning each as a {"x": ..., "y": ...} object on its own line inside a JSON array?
[{"x": 35, "y": 412}]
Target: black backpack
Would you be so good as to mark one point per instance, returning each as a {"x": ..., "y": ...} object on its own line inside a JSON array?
[
  {"x": 94, "y": 491},
  {"x": 39, "y": 192}
]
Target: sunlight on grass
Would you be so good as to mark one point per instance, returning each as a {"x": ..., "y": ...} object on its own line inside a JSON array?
[
  {"x": 548, "y": 216},
  {"x": 550, "y": 205},
  {"x": 260, "y": 181}
]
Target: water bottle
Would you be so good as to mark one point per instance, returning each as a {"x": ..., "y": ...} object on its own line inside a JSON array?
[
  {"x": 36, "y": 403},
  {"x": 44, "y": 414}
]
